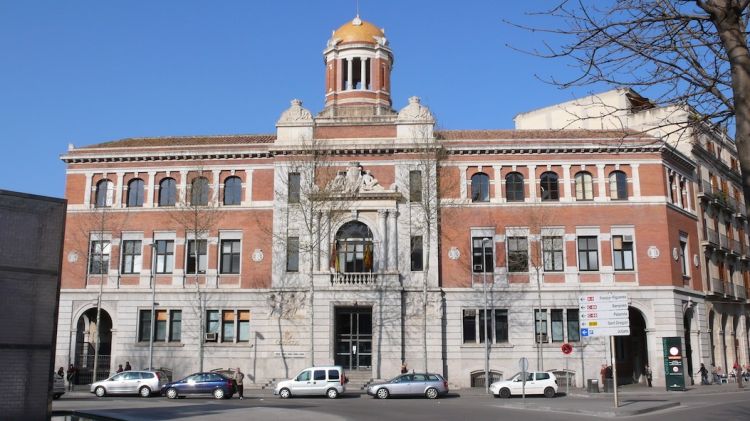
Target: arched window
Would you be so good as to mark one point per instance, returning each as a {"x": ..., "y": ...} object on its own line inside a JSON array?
[
  {"x": 514, "y": 187},
  {"x": 104, "y": 193},
  {"x": 354, "y": 249},
  {"x": 480, "y": 187},
  {"x": 167, "y": 192},
  {"x": 618, "y": 185},
  {"x": 135, "y": 193},
  {"x": 584, "y": 186},
  {"x": 199, "y": 191},
  {"x": 549, "y": 186},
  {"x": 232, "y": 191}
]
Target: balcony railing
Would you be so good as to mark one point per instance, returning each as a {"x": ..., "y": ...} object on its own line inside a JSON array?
[
  {"x": 354, "y": 278},
  {"x": 736, "y": 247},
  {"x": 706, "y": 188},
  {"x": 740, "y": 292},
  {"x": 728, "y": 289},
  {"x": 724, "y": 241},
  {"x": 712, "y": 236},
  {"x": 717, "y": 285}
]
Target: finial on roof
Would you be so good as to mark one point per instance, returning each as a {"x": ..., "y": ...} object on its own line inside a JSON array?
[{"x": 357, "y": 21}]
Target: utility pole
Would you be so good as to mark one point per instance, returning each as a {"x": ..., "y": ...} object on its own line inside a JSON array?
[
  {"x": 153, "y": 309},
  {"x": 485, "y": 317}
]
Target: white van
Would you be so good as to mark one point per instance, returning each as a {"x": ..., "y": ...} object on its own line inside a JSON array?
[{"x": 325, "y": 381}]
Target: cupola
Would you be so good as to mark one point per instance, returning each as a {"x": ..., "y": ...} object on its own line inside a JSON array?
[{"x": 358, "y": 70}]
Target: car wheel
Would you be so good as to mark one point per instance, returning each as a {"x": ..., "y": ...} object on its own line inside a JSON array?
[
  {"x": 172, "y": 393},
  {"x": 285, "y": 393},
  {"x": 549, "y": 392},
  {"x": 100, "y": 391},
  {"x": 145, "y": 392},
  {"x": 504, "y": 393},
  {"x": 219, "y": 393},
  {"x": 431, "y": 393},
  {"x": 383, "y": 393},
  {"x": 332, "y": 393}
]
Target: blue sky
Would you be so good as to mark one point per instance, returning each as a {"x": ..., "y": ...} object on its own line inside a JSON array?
[{"x": 85, "y": 72}]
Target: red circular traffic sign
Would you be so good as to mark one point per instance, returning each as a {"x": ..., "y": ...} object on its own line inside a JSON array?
[{"x": 566, "y": 348}]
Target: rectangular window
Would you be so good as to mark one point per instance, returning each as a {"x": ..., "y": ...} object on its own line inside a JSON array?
[
  {"x": 131, "y": 256},
  {"x": 212, "y": 321},
  {"x": 622, "y": 248},
  {"x": 198, "y": 254},
  {"x": 573, "y": 332},
  {"x": 684, "y": 255},
  {"x": 557, "y": 325},
  {"x": 99, "y": 257},
  {"x": 160, "y": 326},
  {"x": 293, "y": 193},
  {"x": 230, "y": 256},
  {"x": 243, "y": 330},
  {"x": 473, "y": 326},
  {"x": 552, "y": 248},
  {"x": 518, "y": 254},
  {"x": 175, "y": 326},
  {"x": 292, "y": 254},
  {"x": 588, "y": 253},
  {"x": 144, "y": 326},
  {"x": 164, "y": 256},
  {"x": 540, "y": 325},
  {"x": 470, "y": 326},
  {"x": 417, "y": 254},
  {"x": 415, "y": 186},
  {"x": 227, "y": 334},
  {"x": 482, "y": 253}
]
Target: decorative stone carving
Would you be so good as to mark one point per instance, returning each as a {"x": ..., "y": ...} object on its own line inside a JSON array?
[
  {"x": 296, "y": 114},
  {"x": 73, "y": 256},
  {"x": 257, "y": 255},
  {"x": 454, "y": 253},
  {"x": 285, "y": 305},
  {"x": 415, "y": 111},
  {"x": 354, "y": 180}
]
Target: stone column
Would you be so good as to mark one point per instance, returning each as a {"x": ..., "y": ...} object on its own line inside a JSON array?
[
  {"x": 462, "y": 181},
  {"x": 601, "y": 182},
  {"x": 182, "y": 188},
  {"x": 382, "y": 248},
  {"x": 118, "y": 190},
  {"x": 636, "y": 180},
  {"x": 150, "y": 189},
  {"x": 87, "y": 190},
  {"x": 362, "y": 73},
  {"x": 532, "y": 182},
  {"x": 216, "y": 175},
  {"x": 321, "y": 245},
  {"x": 498, "y": 182},
  {"x": 567, "y": 194},
  {"x": 248, "y": 187},
  {"x": 392, "y": 240},
  {"x": 325, "y": 243}
]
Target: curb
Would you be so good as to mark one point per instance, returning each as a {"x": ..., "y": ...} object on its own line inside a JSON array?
[{"x": 619, "y": 412}]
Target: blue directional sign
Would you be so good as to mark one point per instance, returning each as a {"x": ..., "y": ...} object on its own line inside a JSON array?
[{"x": 584, "y": 332}]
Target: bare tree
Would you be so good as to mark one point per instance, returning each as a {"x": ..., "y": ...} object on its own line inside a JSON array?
[
  {"x": 198, "y": 215},
  {"x": 692, "y": 54}
]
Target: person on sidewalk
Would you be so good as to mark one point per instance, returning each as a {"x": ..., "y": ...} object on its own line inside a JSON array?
[
  {"x": 127, "y": 366},
  {"x": 61, "y": 372},
  {"x": 404, "y": 369},
  {"x": 715, "y": 375},
  {"x": 119, "y": 368},
  {"x": 704, "y": 374},
  {"x": 71, "y": 376},
  {"x": 647, "y": 371},
  {"x": 238, "y": 376}
]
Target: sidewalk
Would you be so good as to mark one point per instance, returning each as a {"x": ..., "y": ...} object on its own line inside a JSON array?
[{"x": 634, "y": 400}]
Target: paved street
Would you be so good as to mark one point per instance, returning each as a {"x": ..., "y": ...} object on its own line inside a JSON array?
[{"x": 701, "y": 403}]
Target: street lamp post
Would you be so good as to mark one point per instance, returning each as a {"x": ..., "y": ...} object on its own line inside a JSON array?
[
  {"x": 152, "y": 281},
  {"x": 485, "y": 317}
]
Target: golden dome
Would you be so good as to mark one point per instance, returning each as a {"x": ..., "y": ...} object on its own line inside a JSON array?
[{"x": 358, "y": 31}]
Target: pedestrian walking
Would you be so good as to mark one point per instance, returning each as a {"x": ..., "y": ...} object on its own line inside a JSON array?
[
  {"x": 647, "y": 371},
  {"x": 119, "y": 368},
  {"x": 714, "y": 375},
  {"x": 70, "y": 375},
  {"x": 127, "y": 366},
  {"x": 61, "y": 372},
  {"x": 404, "y": 369},
  {"x": 238, "y": 376},
  {"x": 704, "y": 374}
]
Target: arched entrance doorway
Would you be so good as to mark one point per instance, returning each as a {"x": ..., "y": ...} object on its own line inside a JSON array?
[
  {"x": 687, "y": 323},
  {"x": 632, "y": 351},
  {"x": 85, "y": 347}
]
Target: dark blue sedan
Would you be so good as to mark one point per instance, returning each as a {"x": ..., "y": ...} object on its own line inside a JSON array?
[{"x": 201, "y": 384}]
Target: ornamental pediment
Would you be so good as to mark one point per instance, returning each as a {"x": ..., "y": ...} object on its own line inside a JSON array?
[{"x": 355, "y": 181}]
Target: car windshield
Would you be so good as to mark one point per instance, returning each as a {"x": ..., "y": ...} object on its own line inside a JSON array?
[{"x": 517, "y": 377}]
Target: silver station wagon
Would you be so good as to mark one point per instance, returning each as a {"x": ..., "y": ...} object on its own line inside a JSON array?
[{"x": 411, "y": 384}]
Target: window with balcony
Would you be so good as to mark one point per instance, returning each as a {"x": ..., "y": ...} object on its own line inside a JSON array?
[{"x": 354, "y": 248}]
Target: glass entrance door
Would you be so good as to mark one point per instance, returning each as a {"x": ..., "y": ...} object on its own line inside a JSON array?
[{"x": 353, "y": 345}]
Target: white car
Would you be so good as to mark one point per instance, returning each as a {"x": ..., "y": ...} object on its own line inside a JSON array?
[
  {"x": 537, "y": 383},
  {"x": 325, "y": 381}
]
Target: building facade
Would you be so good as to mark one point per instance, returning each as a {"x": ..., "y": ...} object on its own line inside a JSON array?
[{"x": 362, "y": 236}]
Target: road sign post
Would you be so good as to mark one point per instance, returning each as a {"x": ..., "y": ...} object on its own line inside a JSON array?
[
  {"x": 605, "y": 315},
  {"x": 566, "y": 349}
]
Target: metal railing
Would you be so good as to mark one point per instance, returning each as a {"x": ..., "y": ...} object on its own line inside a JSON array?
[
  {"x": 728, "y": 288},
  {"x": 735, "y": 245},
  {"x": 724, "y": 241},
  {"x": 712, "y": 236},
  {"x": 707, "y": 188},
  {"x": 740, "y": 292},
  {"x": 717, "y": 285}
]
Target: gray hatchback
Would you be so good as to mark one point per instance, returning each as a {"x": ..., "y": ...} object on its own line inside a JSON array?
[{"x": 415, "y": 384}]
